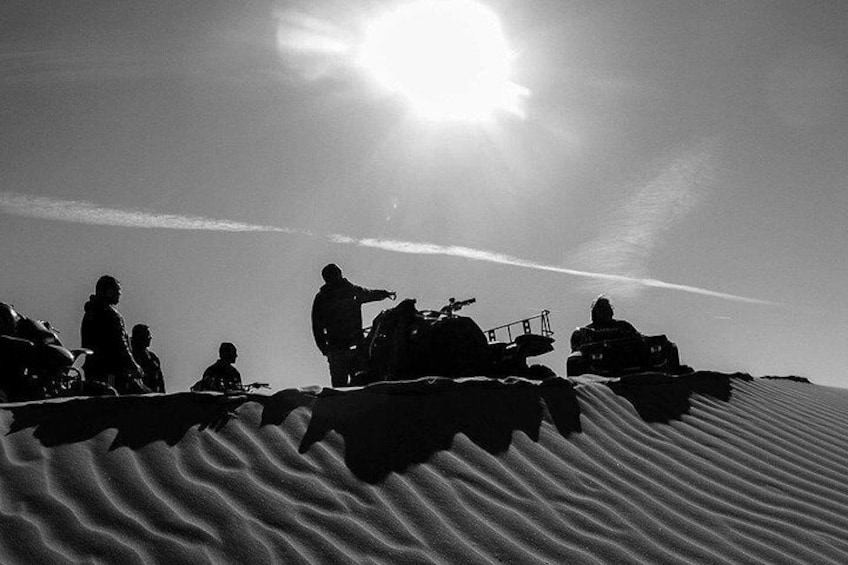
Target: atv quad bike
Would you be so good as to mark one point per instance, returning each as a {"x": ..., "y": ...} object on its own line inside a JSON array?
[
  {"x": 407, "y": 343},
  {"x": 34, "y": 365},
  {"x": 621, "y": 356}
]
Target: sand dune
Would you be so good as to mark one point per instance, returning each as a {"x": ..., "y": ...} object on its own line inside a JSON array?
[{"x": 709, "y": 468}]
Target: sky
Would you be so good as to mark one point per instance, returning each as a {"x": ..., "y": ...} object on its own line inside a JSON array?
[{"x": 687, "y": 159}]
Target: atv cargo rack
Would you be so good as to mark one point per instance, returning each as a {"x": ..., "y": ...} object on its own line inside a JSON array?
[{"x": 526, "y": 327}]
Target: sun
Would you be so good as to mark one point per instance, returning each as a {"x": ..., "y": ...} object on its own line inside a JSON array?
[{"x": 449, "y": 58}]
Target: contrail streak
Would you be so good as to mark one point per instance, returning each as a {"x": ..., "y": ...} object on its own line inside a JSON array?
[
  {"x": 87, "y": 213},
  {"x": 92, "y": 214},
  {"x": 422, "y": 248}
]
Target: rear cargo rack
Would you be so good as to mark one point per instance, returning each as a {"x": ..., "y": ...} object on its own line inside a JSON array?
[{"x": 526, "y": 324}]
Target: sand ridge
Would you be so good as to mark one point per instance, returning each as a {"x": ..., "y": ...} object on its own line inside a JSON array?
[{"x": 710, "y": 468}]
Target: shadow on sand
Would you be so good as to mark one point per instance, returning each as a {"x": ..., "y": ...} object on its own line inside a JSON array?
[
  {"x": 139, "y": 420},
  {"x": 277, "y": 407},
  {"x": 390, "y": 426},
  {"x": 386, "y": 427},
  {"x": 658, "y": 397}
]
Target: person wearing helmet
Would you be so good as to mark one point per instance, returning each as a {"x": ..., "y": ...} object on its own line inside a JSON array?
[
  {"x": 603, "y": 326},
  {"x": 337, "y": 321}
]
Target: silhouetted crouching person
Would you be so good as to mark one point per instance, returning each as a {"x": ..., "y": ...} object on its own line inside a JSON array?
[
  {"x": 104, "y": 333},
  {"x": 337, "y": 321},
  {"x": 221, "y": 376},
  {"x": 146, "y": 359}
]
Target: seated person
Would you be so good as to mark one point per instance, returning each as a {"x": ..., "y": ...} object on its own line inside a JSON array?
[
  {"x": 149, "y": 362},
  {"x": 221, "y": 375},
  {"x": 603, "y": 326}
]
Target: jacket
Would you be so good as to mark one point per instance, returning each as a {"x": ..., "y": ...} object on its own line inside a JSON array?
[
  {"x": 337, "y": 316},
  {"x": 104, "y": 333}
]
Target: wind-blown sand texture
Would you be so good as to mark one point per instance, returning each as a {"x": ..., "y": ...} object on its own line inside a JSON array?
[{"x": 706, "y": 468}]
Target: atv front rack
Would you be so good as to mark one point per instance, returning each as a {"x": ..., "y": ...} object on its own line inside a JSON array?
[{"x": 526, "y": 324}]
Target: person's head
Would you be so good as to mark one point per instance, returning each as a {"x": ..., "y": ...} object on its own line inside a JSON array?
[
  {"x": 227, "y": 352},
  {"x": 601, "y": 309},
  {"x": 109, "y": 289},
  {"x": 331, "y": 273},
  {"x": 141, "y": 336}
]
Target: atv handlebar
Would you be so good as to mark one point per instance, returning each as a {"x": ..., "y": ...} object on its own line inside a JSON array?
[{"x": 455, "y": 305}]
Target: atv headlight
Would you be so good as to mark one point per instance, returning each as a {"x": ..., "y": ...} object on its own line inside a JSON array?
[
  {"x": 597, "y": 356},
  {"x": 656, "y": 348}
]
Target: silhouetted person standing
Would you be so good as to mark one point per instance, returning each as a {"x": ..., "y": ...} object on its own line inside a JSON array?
[
  {"x": 146, "y": 359},
  {"x": 103, "y": 332},
  {"x": 337, "y": 321},
  {"x": 221, "y": 375}
]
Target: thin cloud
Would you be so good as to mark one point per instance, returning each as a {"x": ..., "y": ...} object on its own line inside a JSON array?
[
  {"x": 422, "y": 248},
  {"x": 632, "y": 233},
  {"x": 88, "y": 213}
]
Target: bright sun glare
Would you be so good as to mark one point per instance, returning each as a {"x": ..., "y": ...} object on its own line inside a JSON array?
[{"x": 449, "y": 58}]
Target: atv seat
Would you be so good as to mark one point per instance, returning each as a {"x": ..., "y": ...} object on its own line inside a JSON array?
[{"x": 532, "y": 345}]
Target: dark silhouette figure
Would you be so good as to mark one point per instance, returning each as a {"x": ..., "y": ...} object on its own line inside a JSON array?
[
  {"x": 603, "y": 326},
  {"x": 337, "y": 321},
  {"x": 104, "y": 333},
  {"x": 221, "y": 376},
  {"x": 146, "y": 359},
  {"x": 612, "y": 348}
]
